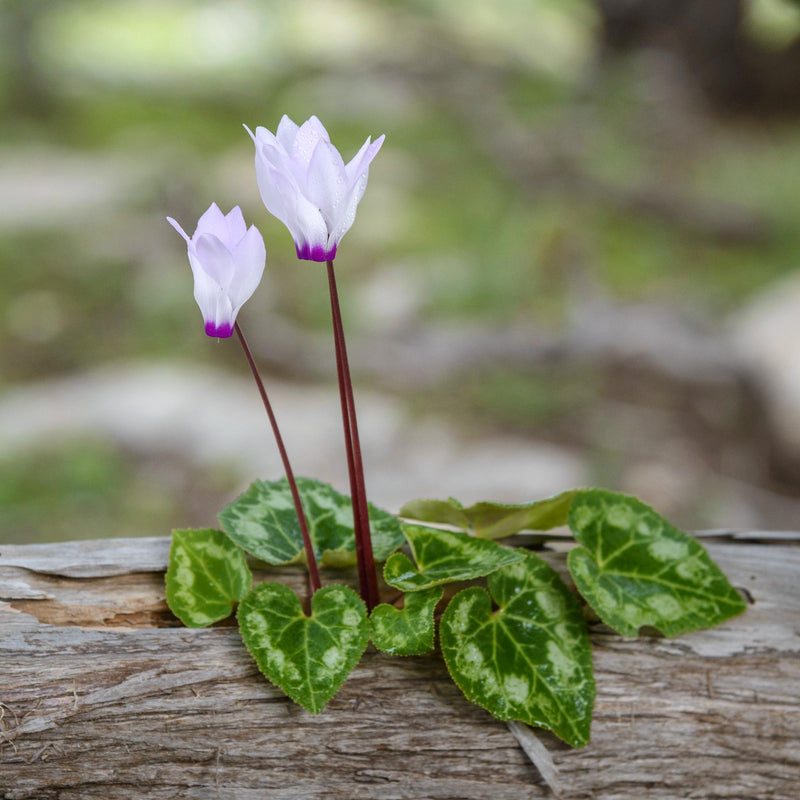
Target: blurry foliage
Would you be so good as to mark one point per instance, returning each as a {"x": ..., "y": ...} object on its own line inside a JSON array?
[
  {"x": 545, "y": 404},
  {"x": 92, "y": 489},
  {"x": 168, "y": 84},
  {"x": 82, "y": 490},
  {"x": 773, "y": 23}
]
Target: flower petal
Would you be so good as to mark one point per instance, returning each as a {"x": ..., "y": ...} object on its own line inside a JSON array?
[
  {"x": 314, "y": 123},
  {"x": 249, "y": 256},
  {"x": 212, "y": 300},
  {"x": 179, "y": 229},
  {"x": 213, "y": 222},
  {"x": 326, "y": 183},
  {"x": 362, "y": 159},
  {"x": 286, "y": 133},
  {"x": 309, "y": 133},
  {"x": 236, "y": 227},
  {"x": 215, "y": 259},
  {"x": 272, "y": 153},
  {"x": 304, "y": 220},
  {"x": 273, "y": 199},
  {"x": 347, "y": 211}
]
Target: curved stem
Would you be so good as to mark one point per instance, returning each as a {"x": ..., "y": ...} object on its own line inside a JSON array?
[
  {"x": 313, "y": 571},
  {"x": 366, "y": 561}
]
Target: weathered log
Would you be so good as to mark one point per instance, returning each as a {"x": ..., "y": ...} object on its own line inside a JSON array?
[{"x": 104, "y": 695}]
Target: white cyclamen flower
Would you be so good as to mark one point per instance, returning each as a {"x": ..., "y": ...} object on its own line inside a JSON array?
[
  {"x": 227, "y": 261},
  {"x": 305, "y": 184}
]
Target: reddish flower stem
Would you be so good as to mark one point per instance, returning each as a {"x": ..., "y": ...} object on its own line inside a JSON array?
[
  {"x": 355, "y": 467},
  {"x": 313, "y": 571}
]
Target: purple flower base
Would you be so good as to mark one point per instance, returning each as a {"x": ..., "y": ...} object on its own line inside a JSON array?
[
  {"x": 221, "y": 331},
  {"x": 316, "y": 253}
]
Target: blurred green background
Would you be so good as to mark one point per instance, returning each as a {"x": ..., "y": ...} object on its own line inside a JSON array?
[{"x": 575, "y": 261}]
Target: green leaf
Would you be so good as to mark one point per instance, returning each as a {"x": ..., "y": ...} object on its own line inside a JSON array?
[
  {"x": 406, "y": 632},
  {"x": 309, "y": 658},
  {"x": 444, "y": 557},
  {"x": 530, "y": 659},
  {"x": 207, "y": 575},
  {"x": 636, "y": 569},
  {"x": 493, "y": 520},
  {"x": 442, "y": 512},
  {"x": 263, "y": 521}
]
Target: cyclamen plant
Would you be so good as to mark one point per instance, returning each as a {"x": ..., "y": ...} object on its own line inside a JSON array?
[{"x": 517, "y": 642}]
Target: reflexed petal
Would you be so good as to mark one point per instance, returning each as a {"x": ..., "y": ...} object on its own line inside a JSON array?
[
  {"x": 236, "y": 227},
  {"x": 362, "y": 160},
  {"x": 326, "y": 186},
  {"x": 286, "y": 133},
  {"x": 250, "y": 256},
  {"x": 213, "y": 222},
  {"x": 178, "y": 228},
  {"x": 215, "y": 259}
]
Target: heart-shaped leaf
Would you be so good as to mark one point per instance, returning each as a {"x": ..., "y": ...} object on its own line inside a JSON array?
[
  {"x": 530, "y": 659},
  {"x": 207, "y": 575},
  {"x": 263, "y": 522},
  {"x": 636, "y": 569},
  {"x": 493, "y": 520},
  {"x": 444, "y": 557},
  {"x": 407, "y": 631},
  {"x": 309, "y": 658}
]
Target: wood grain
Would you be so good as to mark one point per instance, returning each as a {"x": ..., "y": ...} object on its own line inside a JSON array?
[{"x": 104, "y": 696}]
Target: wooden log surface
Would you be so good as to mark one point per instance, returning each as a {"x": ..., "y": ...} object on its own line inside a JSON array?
[{"x": 104, "y": 696}]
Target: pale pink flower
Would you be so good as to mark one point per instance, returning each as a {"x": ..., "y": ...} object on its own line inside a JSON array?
[
  {"x": 227, "y": 261},
  {"x": 305, "y": 184}
]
